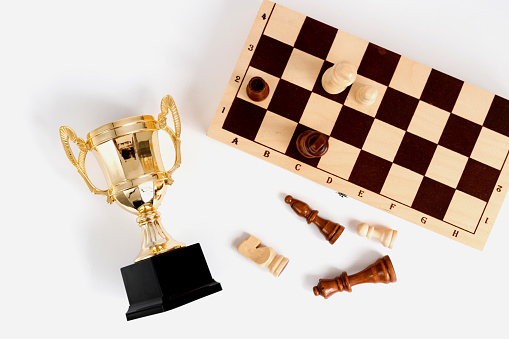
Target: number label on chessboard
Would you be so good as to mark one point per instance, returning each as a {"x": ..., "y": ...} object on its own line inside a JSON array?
[{"x": 431, "y": 149}]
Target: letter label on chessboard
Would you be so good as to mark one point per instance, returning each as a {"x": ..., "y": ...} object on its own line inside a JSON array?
[
  {"x": 392, "y": 206},
  {"x": 329, "y": 180},
  {"x": 297, "y": 167},
  {"x": 235, "y": 141},
  {"x": 424, "y": 219},
  {"x": 361, "y": 192},
  {"x": 266, "y": 154},
  {"x": 455, "y": 233}
]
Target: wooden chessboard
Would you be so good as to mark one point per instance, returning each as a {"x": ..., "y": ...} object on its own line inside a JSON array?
[{"x": 432, "y": 149}]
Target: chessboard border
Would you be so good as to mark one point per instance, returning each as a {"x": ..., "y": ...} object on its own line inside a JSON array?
[{"x": 476, "y": 239}]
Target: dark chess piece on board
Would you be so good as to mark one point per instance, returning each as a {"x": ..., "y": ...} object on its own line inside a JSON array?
[
  {"x": 257, "y": 89},
  {"x": 312, "y": 144},
  {"x": 330, "y": 230},
  {"x": 381, "y": 271}
]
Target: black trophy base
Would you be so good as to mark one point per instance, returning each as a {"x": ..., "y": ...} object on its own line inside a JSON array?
[{"x": 167, "y": 281}]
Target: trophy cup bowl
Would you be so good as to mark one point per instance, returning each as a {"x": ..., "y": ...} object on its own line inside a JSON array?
[{"x": 128, "y": 153}]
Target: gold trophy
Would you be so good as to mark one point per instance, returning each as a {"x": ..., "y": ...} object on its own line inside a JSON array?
[{"x": 166, "y": 273}]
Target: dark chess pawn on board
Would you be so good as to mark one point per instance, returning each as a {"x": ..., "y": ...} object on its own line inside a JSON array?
[
  {"x": 388, "y": 109},
  {"x": 330, "y": 230},
  {"x": 257, "y": 89},
  {"x": 381, "y": 271},
  {"x": 312, "y": 144}
]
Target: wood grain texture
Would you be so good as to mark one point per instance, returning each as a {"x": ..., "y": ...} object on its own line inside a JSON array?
[
  {"x": 263, "y": 256},
  {"x": 380, "y": 271},
  {"x": 257, "y": 89},
  {"x": 312, "y": 144},
  {"x": 338, "y": 77},
  {"x": 386, "y": 237},
  {"x": 330, "y": 230},
  {"x": 430, "y": 148}
]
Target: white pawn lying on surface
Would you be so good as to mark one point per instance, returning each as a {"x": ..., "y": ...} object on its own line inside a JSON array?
[
  {"x": 338, "y": 77},
  {"x": 386, "y": 236},
  {"x": 366, "y": 95}
]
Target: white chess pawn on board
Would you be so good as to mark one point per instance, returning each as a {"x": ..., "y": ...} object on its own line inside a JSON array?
[
  {"x": 366, "y": 95},
  {"x": 338, "y": 77},
  {"x": 387, "y": 237}
]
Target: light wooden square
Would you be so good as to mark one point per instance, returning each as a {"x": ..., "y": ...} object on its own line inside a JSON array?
[
  {"x": 339, "y": 159},
  {"x": 428, "y": 122},
  {"x": 446, "y": 166},
  {"x": 465, "y": 211},
  {"x": 410, "y": 77},
  {"x": 401, "y": 184},
  {"x": 320, "y": 113},
  {"x": 473, "y": 103},
  {"x": 269, "y": 79},
  {"x": 284, "y": 25},
  {"x": 352, "y": 102},
  {"x": 276, "y": 131},
  {"x": 302, "y": 69},
  {"x": 491, "y": 148},
  {"x": 347, "y": 47},
  {"x": 383, "y": 140}
]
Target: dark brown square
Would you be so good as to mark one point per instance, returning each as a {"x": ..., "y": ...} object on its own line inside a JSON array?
[
  {"x": 460, "y": 135},
  {"x": 478, "y": 180},
  {"x": 318, "y": 89},
  {"x": 244, "y": 119},
  {"x": 415, "y": 153},
  {"x": 397, "y": 108},
  {"x": 271, "y": 56},
  {"x": 289, "y": 100},
  {"x": 498, "y": 116},
  {"x": 370, "y": 171},
  {"x": 292, "y": 151},
  {"x": 441, "y": 90},
  {"x": 315, "y": 38},
  {"x": 352, "y": 127},
  {"x": 379, "y": 64},
  {"x": 433, "y": 198}
]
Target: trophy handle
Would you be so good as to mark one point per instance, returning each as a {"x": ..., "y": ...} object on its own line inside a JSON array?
[
  {"x": 67, "y": 133},
  {"x": 167, "y": 103}
]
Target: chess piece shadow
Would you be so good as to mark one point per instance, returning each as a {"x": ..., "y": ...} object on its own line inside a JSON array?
[
  {"x": 352, "y": 224},
  {"x": 330, "y": 230},
  {"x": 236, "y": 243},
  {"x": 380, "y": 271},
  {"x": 311, "y": 279}
]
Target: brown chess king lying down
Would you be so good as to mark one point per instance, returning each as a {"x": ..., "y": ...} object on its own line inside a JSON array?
[{"x": 381, "y": 271}]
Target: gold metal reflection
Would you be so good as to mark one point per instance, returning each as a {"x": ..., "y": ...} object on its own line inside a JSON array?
[{"x": 128, "y": 152}]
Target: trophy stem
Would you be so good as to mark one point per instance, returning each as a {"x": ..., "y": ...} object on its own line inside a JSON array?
[{"x": 155, "y": 239}]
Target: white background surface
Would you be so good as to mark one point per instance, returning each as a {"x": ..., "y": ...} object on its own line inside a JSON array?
[{"x": 84, "y": 64}]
